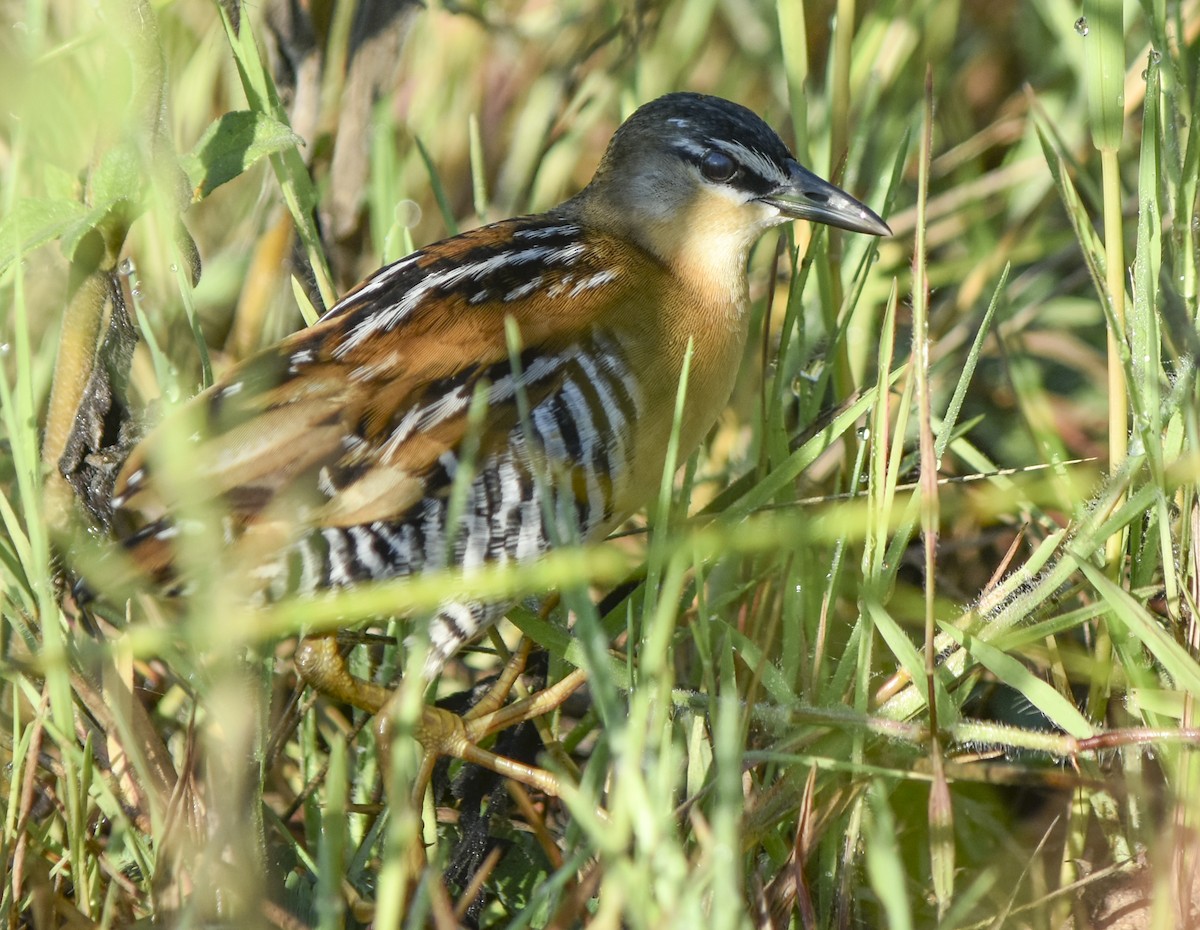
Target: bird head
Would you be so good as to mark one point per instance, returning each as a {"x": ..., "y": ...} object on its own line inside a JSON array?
[{"x": 690, "y": 171}]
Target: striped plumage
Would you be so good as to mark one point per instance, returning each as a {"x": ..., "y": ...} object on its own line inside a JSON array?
[{"x": 334, "y": 452}]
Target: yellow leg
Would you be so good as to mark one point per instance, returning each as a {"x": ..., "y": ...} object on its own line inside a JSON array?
[
  {"x": 442, "y": 733},
  {"x": 498, "y": 693},
  {"x": 319, "y": 661},
  {"x": 485, "y": 723}
]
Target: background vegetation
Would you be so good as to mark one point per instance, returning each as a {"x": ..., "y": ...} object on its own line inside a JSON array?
[{"x": 766, "y": 739}]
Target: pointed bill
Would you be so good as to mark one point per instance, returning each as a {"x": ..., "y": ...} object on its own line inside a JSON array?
[{"x": 808, "y": 197}]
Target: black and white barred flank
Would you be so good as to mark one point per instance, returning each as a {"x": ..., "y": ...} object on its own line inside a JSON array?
[{"x": 555, "y": 481}]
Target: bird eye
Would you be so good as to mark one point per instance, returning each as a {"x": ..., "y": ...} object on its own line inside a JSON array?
[{"x": 717, "y": 166}]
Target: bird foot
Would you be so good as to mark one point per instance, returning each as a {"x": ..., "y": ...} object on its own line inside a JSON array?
[{"x": 444, "y": 733}]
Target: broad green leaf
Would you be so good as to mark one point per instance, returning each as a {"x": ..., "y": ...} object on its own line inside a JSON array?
[
  {"x": 121, "y": 175},
  {"x": 231, "y": 144},
  {"x": 1014, "y": 674},
  {"x": 1138, "y": 622},
  {"x": 34, "y": 222},
  {"x": 117, "y": 196}
]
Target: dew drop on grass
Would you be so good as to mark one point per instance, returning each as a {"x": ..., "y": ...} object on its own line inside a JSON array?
[
  {"x": 126, "y": 267},
  {"x": 407, "y": 213},
  {"x": 863, "y": 433},
  {"x": 1081, "y": 25}
]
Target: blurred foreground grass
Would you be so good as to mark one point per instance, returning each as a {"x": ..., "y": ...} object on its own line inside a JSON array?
[{"x": 753, "y": 750}]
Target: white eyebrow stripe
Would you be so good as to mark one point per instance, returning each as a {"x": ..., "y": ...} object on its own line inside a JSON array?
[
  {"x": 753, "y": 159},
  {"x": 748, "y": 158},
  {"x": 690, "y": 145}
]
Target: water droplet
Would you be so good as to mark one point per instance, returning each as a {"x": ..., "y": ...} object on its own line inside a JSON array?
[
  {"x": 174, "y": 268},
  {"x": 137, "y": 292},
  {"x": 799, "y": 588},
  {"x": 1155, "y": 55},
  {"x": 20, "y": 27},
  {"x": 5, "y": 348},
  {"x": 1146, "y": 74},
  {"x": 126, "y": 267},
  {"x": 407, "y": 213},
  {"x": 1081, "y": 25},
  {"x": 863, "y": 433}
]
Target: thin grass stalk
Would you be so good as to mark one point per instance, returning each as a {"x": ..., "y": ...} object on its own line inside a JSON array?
[
  {"x": 941, "y": 814},
  {"x": 1104, "y": 68},
  {"x": 839, "y": 93},
  {"x": 18, "y": 411},
  {"x": 1104, "y": 73},
  {"x": 402, "y": 853},
  {"x": 1118, "y": 417},
  {"x": 332, "y": 862},
  {"x": 839, "y": 134},
  {"x": 793, "y": 36},
  {"x": 1145, "y": 338}
]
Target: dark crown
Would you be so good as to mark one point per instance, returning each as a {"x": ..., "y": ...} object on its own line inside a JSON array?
[{"x": 694, "y": 125}]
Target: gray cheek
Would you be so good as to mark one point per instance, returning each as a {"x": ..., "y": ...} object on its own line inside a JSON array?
[{"x": 657, "y": 195}]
